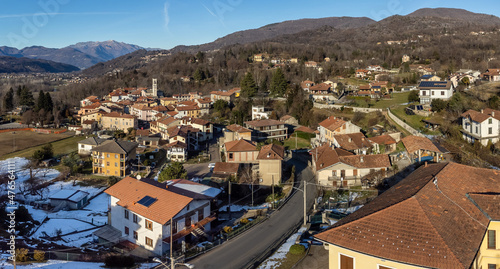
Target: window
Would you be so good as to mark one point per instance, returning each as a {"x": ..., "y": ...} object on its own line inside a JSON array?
[
  {"x": 126, "y": 213},
  {"x": 490, "y": 130},
  {"x": 200, "y": 215},
  {"x": 149, "y": 225},
  {"x": 116, "y": 164},
  {"x": 116, "y": 156},
  {"x": 424, "y": 93},
  {"x": 230, "y": 156},
  {"x": 492, "y": 266},
  {"x": 136, "y": 235},
  {"x": 477, "y": 130},
  {"x": 490, "y": 121},
  {"x": 149, "y": 241},
  {"x": 346, "y": 262},
  {"x": 432, "y": 93},
  {"x": 134, "y": 217},
  {"x": 492, "y": 239},
  {"x": 107, "y": 155},
  {"x": 126, "y": 230},
  {"x": 107, "y": 163},
  {"x": 442, "y": 93}
]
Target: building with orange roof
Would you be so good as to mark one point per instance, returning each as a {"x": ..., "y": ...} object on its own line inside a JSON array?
[
  {"x": 443, "y": 215},
  {"x": 188, "y": 111},
  {"x": 236, "y": 132},
  {"x": 270, "y": 160},
  {"x": 163, "y": 124},
  {"x": 383, "y": 143},
  {"x": 267, "y": 129},
  {"x": 228, "y": 96},
  {"x": 165, "y": 101},
  {"x": 143, "y": 212},
  {"x": 334, "y": 126},
  {"x": 483, "y": 126},
  {"x": 241, "y": 151},
  {"x": 118, "y": 121},
  {"x": 421, "y": 149}
]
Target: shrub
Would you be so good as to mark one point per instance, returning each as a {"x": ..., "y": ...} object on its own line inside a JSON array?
[
  {"x": 22, "y": 255},
  {"x": 39, "y": 255},
  {"x": 297, "y": 249},
  {"x": 119, "y": 261},
  {"x": 227, "y": 229}
]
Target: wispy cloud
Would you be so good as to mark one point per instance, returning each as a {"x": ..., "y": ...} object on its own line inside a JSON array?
[
  {"x": 166, "y": 17},
  {"x": 6, "y": 16}
]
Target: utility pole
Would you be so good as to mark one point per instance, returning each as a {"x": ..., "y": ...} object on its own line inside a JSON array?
[
  {"x": 229, "y": 205},
  {"x": 272, "y": 188},
  {"x": 305, "y": 199},
  {"x": 295, "y": 140},
  {"x": 252, "y": 192},
  {"x": 172, "y": 264}
]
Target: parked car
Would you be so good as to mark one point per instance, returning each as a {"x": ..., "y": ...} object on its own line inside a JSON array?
[{"x": 211, "y": 166}]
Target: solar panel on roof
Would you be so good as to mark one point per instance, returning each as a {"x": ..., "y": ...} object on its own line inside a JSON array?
[{"x": 147, "y": 201}]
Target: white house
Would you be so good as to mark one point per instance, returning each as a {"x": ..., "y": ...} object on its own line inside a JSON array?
[
  {"x": 430, "y": 90},
  {"x": 334, "y": 126},
  {"x": 143, "y": 212},
  {"x": 481, "y": 126},
  {"x": 260, "y": 113},
  {"x": 176, "y": 151},
  {"x": 85, "y": 146}
]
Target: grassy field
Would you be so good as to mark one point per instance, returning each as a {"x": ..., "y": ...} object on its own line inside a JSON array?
[
  {"x": 397, "y": 98},
  {"x": 27, "y": 142},
  {"x": 414, "y": 121},
  {"x": 301, "y": 143}
]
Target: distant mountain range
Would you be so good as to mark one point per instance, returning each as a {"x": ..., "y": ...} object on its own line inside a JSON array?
[
  {"x": 9, "y": 64},
  {"x": 81, "y": 55}
]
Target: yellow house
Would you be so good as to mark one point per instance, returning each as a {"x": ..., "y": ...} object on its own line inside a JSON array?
[
  {"x": 118, "y": 121},
  {"x": 443, "y": 215},
  {"x": 237, "y": 132},
  {"x": 270, "y": 164},
  {"x": 96, "y": 116},
  {"x": 168, "y": 101},
  {"x": 111, "y": 158}
]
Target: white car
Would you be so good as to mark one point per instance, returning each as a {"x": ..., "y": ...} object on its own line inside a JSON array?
[{"x": 211, "y": 166}]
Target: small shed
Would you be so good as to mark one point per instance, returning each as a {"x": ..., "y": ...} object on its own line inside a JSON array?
[
  {"x": 431, "y": 125},
  {"x": 69, "y": 199}
]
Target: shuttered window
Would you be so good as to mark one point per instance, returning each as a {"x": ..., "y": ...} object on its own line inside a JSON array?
[
  {"x": 346, "y": 262},
  {"x": 492, "y": 239}
]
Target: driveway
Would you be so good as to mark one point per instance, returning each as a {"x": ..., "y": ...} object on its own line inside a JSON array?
[
  {"x": 197, "y": 170},
  {"x": 247, "y": 249}
]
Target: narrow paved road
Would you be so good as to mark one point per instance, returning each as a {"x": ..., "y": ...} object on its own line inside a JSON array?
[{"x": 242, "y": 251}]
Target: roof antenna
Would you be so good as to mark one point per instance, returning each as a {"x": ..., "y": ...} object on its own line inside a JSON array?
[{"x": 435, "y": 181}]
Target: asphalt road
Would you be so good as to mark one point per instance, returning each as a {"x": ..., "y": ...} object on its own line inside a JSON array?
[{"x": 241, "y": 251}]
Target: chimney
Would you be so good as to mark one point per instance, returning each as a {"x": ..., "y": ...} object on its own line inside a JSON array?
[
  {"x": 425, "y": 164},
  {"x": 493, "y": 113},
  {"x": 362, "y": 159},
  {"x": 482, "y": 111}
]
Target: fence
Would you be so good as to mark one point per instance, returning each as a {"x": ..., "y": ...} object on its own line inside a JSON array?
[{"x": 403, "y": 124}]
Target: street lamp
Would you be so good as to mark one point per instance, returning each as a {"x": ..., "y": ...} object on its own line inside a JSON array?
[
  {"x": 305, "y": 199},
  {"x": 190, "y": 266}
]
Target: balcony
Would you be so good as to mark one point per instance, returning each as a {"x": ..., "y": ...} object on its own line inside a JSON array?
[{"x": 190, "y": 229}]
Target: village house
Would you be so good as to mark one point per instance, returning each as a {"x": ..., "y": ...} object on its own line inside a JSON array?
[
  {"x": 333, "y": 126},
  {"x": 442, "y": 215},
  {"x": 223, "y": 171},
  {"x": 241, "y": 151},
  {"x": 321, "y": 92},
  {"x": 89, "y": 100},
  {"x": 228, "y": 96},
  {"x": 142, "y": 112},
  {"x": 290, "y": 120},
  {"x": 206, "y": 130},
  {"x": 481, "y": 126},
  {"x": 311, "y": 64},
  {"x": 92, "y": 108},
  {"x": 383, "y": 144},
  {"x": 118, "y": 121},
  {"x": 270, "y": 160},
  {"x": 145, "y": 214},
  {"x": 267, "y": 129},
  {"x": 204, "y": 105},
  {"x": 339, "y": 168},
  {"x": 86, "y": 146},
  {"x": 306, "y": 85},
  {"x": 236, "y": 132},
  {"x": 163, "y": 124},
  {"x": 492, "y": 74},
  {"x": 421, "y": 149},
  {"x": 185, "y": 134},
  {"x": 166, "y": 101},
  {"x": 430, "y": 90},
  {"x": 146, "y": 138},
  {"x": 188, "y": 111},
  {"x": 430, "y": 78},
  {"x": 356, "y": 143},
  {"x": 260, "y": 113},
  {"x": 176, "y": 151},
  {"x": 68, "y": 200},
  {"x": 362, "y": 73},
  {"x": 181, "y": 97},
  {"x": 111, "y": 158}
]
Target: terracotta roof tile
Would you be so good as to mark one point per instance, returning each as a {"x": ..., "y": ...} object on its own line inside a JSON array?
[
  {"x": 238, "y": 128},
  {"x": 240, "y": 145},
  {"x": 168, "y": 204},
  {"x": 425, "y": 220},
  {"x": 352, "y": 141},
  {"x": 262, "y": 123},
  {"x": 332, "y": 123},
  {"x": 383, "y": 140},
  {"x": 271, "y": 152},
  {"x": 226, "y": 168},
  {"x": 413, "y": 143},
  {"x": 367, "y": 161}
]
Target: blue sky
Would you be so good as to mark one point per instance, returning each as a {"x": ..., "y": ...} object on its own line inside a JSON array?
[{"x": 167, "y": 23}]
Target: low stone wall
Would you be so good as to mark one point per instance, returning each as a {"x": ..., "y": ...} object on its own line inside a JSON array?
[{"x": 403, "y": 124}]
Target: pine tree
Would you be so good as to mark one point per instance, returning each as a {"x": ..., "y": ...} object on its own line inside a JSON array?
[
  {"x": 8, "y": 100},
  {"x": 26, "y": 97},
  {"x": 248, "y": 85},
  {"x": 49, "y": 105},
  {"x": 41, "y": 103},
  {"x": 278, "y": 83}
]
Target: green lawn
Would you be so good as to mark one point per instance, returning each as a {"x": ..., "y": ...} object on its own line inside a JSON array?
[
  {"x": 63, "y": 146},
  {"x": 301, "y": 143},
  {"x": 397, "y": 99},
  {"x": 414, "y": 121}
]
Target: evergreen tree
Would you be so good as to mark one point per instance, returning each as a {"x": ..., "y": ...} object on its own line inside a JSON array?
[
  {"x": 278, "y": 83},
  {"x": 199, "y": 74},
  {"x": 41, "y": 103},
  {"x": 248, "y": 85},
  {"x": 174, "y": 171},
  {"x": 49, "y": 105},
  {"x": 8, "y": 100},
  {"x": 26, "y": 97}
]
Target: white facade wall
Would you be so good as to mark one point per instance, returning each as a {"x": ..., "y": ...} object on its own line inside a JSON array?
[
  {"x": 426, "y": 96},
  {"x": 481, "y": 130}
]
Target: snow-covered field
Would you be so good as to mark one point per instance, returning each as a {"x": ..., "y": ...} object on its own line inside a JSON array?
[
  {"x": 66, "y": 226},
  {"x": 276, "y": 259},
  {"x": 57, "y": 264},
  {"x": 238, "y": 208}
]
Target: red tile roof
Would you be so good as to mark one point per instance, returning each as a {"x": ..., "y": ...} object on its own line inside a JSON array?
[
  {"x": 367, "y": 161},
  {"x": 130, "y": 190},
  {"x": 240, "y": 145},
  {"x": 271, "y": 152},
  {"x": 383, "y": 140},
  {"x": 263, "y": 123},
  {"x": 118, "y": 115},
  {"x": 305, "y": 130},
  {"x": 426, "y": 220},
  {"x": 238, "y": 128},
  {"x": 226, "y": 168},
  {"x": 413, "y": 143},
  {"x": 332, "y": 123},
  {"x": 352, "y": 141}
]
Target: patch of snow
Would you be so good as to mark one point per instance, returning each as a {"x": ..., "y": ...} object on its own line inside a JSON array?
[
  {"x": 238, "y": 208},
  {"x": 65, "y": 225},
  {"x": 276, "y": 259}
]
